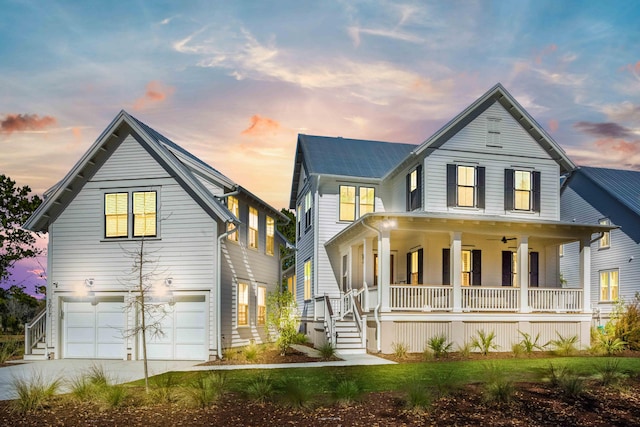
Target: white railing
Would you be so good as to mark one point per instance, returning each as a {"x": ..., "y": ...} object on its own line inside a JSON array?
[
  {"x": 323, "y": 310},
  {"x": 482, "y": 298},
  {"x": 34, "y": 331},
  {"x": 555, "y": 300},
  {"x": 372, "y": 298},
  {"x": 421, "y": 298}
]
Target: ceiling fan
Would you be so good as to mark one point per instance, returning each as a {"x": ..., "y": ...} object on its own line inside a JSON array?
[{"x": 505, "y": 239}]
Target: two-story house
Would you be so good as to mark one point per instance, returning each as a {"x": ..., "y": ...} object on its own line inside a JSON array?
[
  {"x": 609, "y": 197},
  {"x": 398, "y": 242},
  {"x": 211, "y": 251}
]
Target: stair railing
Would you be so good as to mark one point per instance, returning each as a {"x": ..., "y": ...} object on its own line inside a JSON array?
[
  {"x": 34, "y": 331},
  {"x": 329, "y": 320}
]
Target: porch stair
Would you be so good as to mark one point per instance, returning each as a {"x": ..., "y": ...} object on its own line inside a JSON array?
[
  {"x": 38, "y": 352},
  {"x": 348, "y": 337}
]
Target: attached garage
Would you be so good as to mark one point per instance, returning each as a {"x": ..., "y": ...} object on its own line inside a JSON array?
[
  {"x": 184, "y": 330},
  {"x": 94, "y": 330}
]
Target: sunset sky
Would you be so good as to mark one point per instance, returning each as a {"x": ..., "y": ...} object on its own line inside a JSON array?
[{"x": 234, "y": 82}]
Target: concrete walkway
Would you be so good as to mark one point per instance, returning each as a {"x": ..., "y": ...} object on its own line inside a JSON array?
[{"x": 124, "y": 371}]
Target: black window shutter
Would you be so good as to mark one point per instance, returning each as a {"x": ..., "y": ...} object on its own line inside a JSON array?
[
  {"x": 408, "y": 192},
  {"x": 536, "y": 191},
  {"x": 446, "y": 276},
  {"x": 408, "y": 267},
  {"x": 508, "y": 189},
  {"x": 534, "y": 260},
  {"x": 506, "y": 268},
  {"x": 451, "y": 185},
  {"x": 420, "y": 261},
  {"x": 418, "y": 196},
  {"x": 476, "y": 267},
  {"x": 480, "y": 172}
]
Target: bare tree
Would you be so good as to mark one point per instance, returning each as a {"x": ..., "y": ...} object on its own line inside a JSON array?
[{"x": 140, "y": 281}]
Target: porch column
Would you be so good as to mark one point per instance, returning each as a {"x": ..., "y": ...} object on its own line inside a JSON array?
[
  {"x": 523, "y": 272},
  {"x": 585, "y": 273},
  {"x": 384, "y": 256},
  {"x": 351, "y": 267},
  {"x": 367, "y": 270},
  {"x": 456, "y": 269}
]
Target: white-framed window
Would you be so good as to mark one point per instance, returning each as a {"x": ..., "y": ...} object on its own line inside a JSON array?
[
  {"x": 307, "y": 209},
  {"x": 493, "y": 132},
  {"x": 345, "y": 273},
  {"x": 466, "y": 186},
  {"x": 291, "y": 286},
  {"x": 366, "y": 201},
  {"x": 605, "y": 241},
  {"x": 609, "y": 280},
  {"x": 270, "y": 242},
  {"x": 116, "y": 219},
  {"x": 414, "y": 189},
  {"x": 243, "y": 304},
  {"x": 347, "y": 203},
  {"x": 299, "y": 220},
  {"x": 234, "y": 206},
  {"x": 253, "y": 228},
  {"x": 144, "y": 214},
  {"x": 466, "y": 267},
  {"x": 561, "y": 250},
  {"x": 522, "y": 190},
  {"x": 262, "y": 306},
  {"x": 307, "y": 279}
]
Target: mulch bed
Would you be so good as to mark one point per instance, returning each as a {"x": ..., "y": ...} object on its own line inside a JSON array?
[{"x": 266, "y": 356}]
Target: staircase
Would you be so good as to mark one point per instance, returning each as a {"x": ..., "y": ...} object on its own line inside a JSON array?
[
  {"x": 348, "y": 337},
  {"x": 344, "y": 323},
  {"x": 35, "y": 347}
]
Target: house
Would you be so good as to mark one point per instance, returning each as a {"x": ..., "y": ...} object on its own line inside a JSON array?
[
  {"x": 213, "y": 243},
  {"x": 612, "y": 197},
  {"x": 397, "y": 243}
]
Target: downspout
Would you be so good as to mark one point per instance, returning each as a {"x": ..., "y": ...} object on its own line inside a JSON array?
[
  {"x": 597, "y": 238},
  {"x": 219, "y": 279},
  {"x": 376, "y": 310}
]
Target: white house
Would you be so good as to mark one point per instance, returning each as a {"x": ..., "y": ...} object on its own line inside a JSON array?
[
  {"x": 397, "y": 243},
  {"x": 214, "y": 243},
  {"x": 610, "y": 197}
]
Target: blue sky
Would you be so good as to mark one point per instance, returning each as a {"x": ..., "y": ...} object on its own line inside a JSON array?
[{"x": 234, "y": 82}]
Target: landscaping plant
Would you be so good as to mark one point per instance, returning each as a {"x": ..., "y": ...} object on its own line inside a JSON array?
[
  {"x": 484, "y": 342},
  {"x": 439, "y": 345}
]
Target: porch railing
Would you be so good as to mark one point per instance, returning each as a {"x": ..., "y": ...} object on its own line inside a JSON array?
[
  {"x": 323, "y": 310},
  {"x": 421, "y": 298},
  {"x": 34, "y": 331},
  {"x": 555, "y": 300},
  {"x": 490, "y": 299}
]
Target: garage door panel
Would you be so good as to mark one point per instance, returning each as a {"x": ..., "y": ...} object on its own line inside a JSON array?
[
  {"x": 190, "y": 320},
  {"x": 109, "y": 335},
  {"x": 110, "y": 351},
  {"x": 80, "y": 319},
  {"x": 94, "y": 330},
  {"x": 189, "y": 352},
  {"x": 80, "y": 334},
  {"x": 80, "y": 350},
  {"x": 190, "y": 336}
]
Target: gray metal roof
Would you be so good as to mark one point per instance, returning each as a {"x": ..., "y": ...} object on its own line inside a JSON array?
[
  {"x": 623, "y": 185},
  {"x": 351, "y": 157}
]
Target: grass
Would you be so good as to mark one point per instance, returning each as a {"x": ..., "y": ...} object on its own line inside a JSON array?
[
  {"x": 327, "y": 351},
  {"x": 8, "y": 349},
  {"x": 34, "y": 393},
  {"x": 260, "y": 389}
]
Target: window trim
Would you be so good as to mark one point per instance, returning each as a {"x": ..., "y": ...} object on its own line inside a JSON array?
[
  {"x": 254, "y": 232},
  {"x": 602, "y": 243},
  {"x": 133, "y": 214},
  {"x": 105, "y": 215},
  {"x": 494, "y": 132},
  {"x": 349, "y": 207},
  {"x": 234, "y": 208},
  {"x": 414, "y": 193},
  {"x": 308, "y": 215},
  {"x": 360, "y": 204},
  {"x": 609, "y": 287},
  {"x": 453, "y": 186},
  {"x": 308, "y": 280},
  {"x": 270, "y": 236},
  {"x": 130, "y": 216},
  {"x": 261, "y": 318},
  {"x": 510, "y": 189},
  {"x": 239, "y": 304}
]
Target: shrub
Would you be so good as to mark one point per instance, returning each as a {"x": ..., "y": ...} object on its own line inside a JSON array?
[
  {"x": 444, "y": 383},
  {"x": 8, "y": 349},
  {"x": 300, "y": 338},
  {"x": 164, "y": 387},
  {"x": 399, "y": 349},
  {"x": 327, "y": 351},
  {"x": 517, "y": 349},
  {"x": 33, "y": 394},
  {"x": 295, "y": 393},
  {"x": 260, "y": 389},
  {"x": 251, "y": 352},
  {"x": 418, "y": 397},
  {"x": 484, "y": 342},
  {"x": 464, "y": 349},
  {"x": 528, "y": 344},
  {"x": 439, "y": 346},
  {"x": 626, "y": 323},
  {"x": 347, "y": 392},
  {"x": 500, "y": 390},
  {"x": 564, "y": 346},
  {"x": 570, "y": 384},
  {"x": 206, "y": 388},
  {"x": 282, "y": 318},
  {"x": 610, "y": 373},
  {"x": 115, "y": 395}
]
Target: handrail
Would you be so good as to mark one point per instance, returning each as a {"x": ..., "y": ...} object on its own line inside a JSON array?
[
  {"x": 329, "y": 320},
  {"x": 358, "y": 317},
  {"x": 35, "y": 330}
]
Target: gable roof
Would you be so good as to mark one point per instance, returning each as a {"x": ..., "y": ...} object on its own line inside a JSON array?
[
  {"x": 180, "y": 163},
  {"x": 622, "y": 185},
  {"x": 337, "y": 156},
  {"x": 496, "y": 94}
]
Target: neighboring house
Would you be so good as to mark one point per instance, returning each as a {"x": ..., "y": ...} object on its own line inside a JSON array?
[
  {"x": 611, "y": 197},
  {"x": 397, "y": 243},
  {"x": 215, "y": 245}
]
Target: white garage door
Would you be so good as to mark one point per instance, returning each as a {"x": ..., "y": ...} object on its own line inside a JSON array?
[
  {"x": 184, "y": 326},
  {"x": 94, "y": 330}
]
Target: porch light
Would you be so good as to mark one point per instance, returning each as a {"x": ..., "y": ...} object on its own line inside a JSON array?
[
  {"x": 168, "y": 281},
  {"x": 389, "y": 224},
  {"x": 89, "y": 282}
]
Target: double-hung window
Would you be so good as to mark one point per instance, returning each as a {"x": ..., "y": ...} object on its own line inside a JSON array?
[
  {"x": 414, "y": 189},
  {"x": 307, "y": 209},
  {"x": 609, "y": 285},
  {"x": 270, "y": 236},
  {"x": 243, "y": 304},
  {"x": 521, "y": 190},
  {"x": 307, "y": 279},
  {"x": 116, "y": 214},
  {"x": 355, "y": 202},
  {"x": 144, "y": 214},
  {"x": 262, "y": 305},
  {"x": 366, "y": 200},
  {"x": 299, "y": 220},
  {"x": 605, "y": 241},
  {"x": 465, "y": 186},
  {"x": 253, "y": 228},
  {"x": 234, "y": 207}
]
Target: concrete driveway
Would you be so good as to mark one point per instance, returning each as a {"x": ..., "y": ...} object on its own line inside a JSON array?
[{"x": 119, "y": 371}]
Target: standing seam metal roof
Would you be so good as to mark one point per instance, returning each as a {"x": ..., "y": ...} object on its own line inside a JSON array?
[{"x": 623, "y": 185}]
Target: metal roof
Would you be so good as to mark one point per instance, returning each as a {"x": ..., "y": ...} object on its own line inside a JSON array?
[{"x": 623, "y": 185}]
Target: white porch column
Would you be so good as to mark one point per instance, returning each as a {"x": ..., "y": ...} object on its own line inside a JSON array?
[
  {"x": 585, "y": 273},
  {"x": 523, "y": 272},
  {"x": 367, "y": 269},
  {"x": 351, "y": 267},
  {"x": 384, "y": 257},
  {"x": 456, "y": 269}
]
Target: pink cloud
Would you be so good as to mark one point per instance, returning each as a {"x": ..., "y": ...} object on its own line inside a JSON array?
[
  {"x": 621, "y": 146},
  {"x": 156, "y": 92},
  {"x": 25, "y": 122},
  {"x": 553, "y": 125},
  {"x": 546, "y": 51},
  {"x": 261, "y": 126}
]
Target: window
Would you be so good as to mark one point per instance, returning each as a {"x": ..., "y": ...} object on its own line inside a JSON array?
[
  {"x": 414, "y": 267},
  {"x": 307, "y": 210},
  {"x": 347, "y": 203},
  {"x": 465, "y": 186},
  {"x": 243, "y": 304},
  {"x": 510, "y": 268},
  {"x": 391, "y": 269},
  {"x": 605, "y": 242},
  {"x": 270, "y": 234},
  {"x": 253, "y": 228},
  {"x": 234, "y": 207},
  {"x": 521, "y": 190},
  {"x": 299, "y": 219},
  {"x": 262, "y": 305},
  {"x": 493, "y": 132},
  {"x": 144, "y": 214},
  {"x": 307, "y": 279},
  {"x": 367, "y": 200},
  {"x": 609, "y": 285},
  {"x": 291, "y": 286},
  {"x": 115, "y": 214},
  {"x": 414, "y": 189},
  {"x": 560, "y": 250},
  {"x": 466, "y": 268}
]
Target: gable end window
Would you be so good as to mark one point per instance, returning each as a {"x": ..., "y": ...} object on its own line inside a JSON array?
[
  {"x": 465, "y": 186},
  {"x": 144, "y": 214},
  {"x": 116, "y": 215},
  {"x": 521, "y": 190},
  {"x": 307, "y": 210},
  {"x": 605, "y": 241},
  {"x": 414, "y": 189},
  {"x": 366, "y": 200},
  {"x": 253, "y": 228}
]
